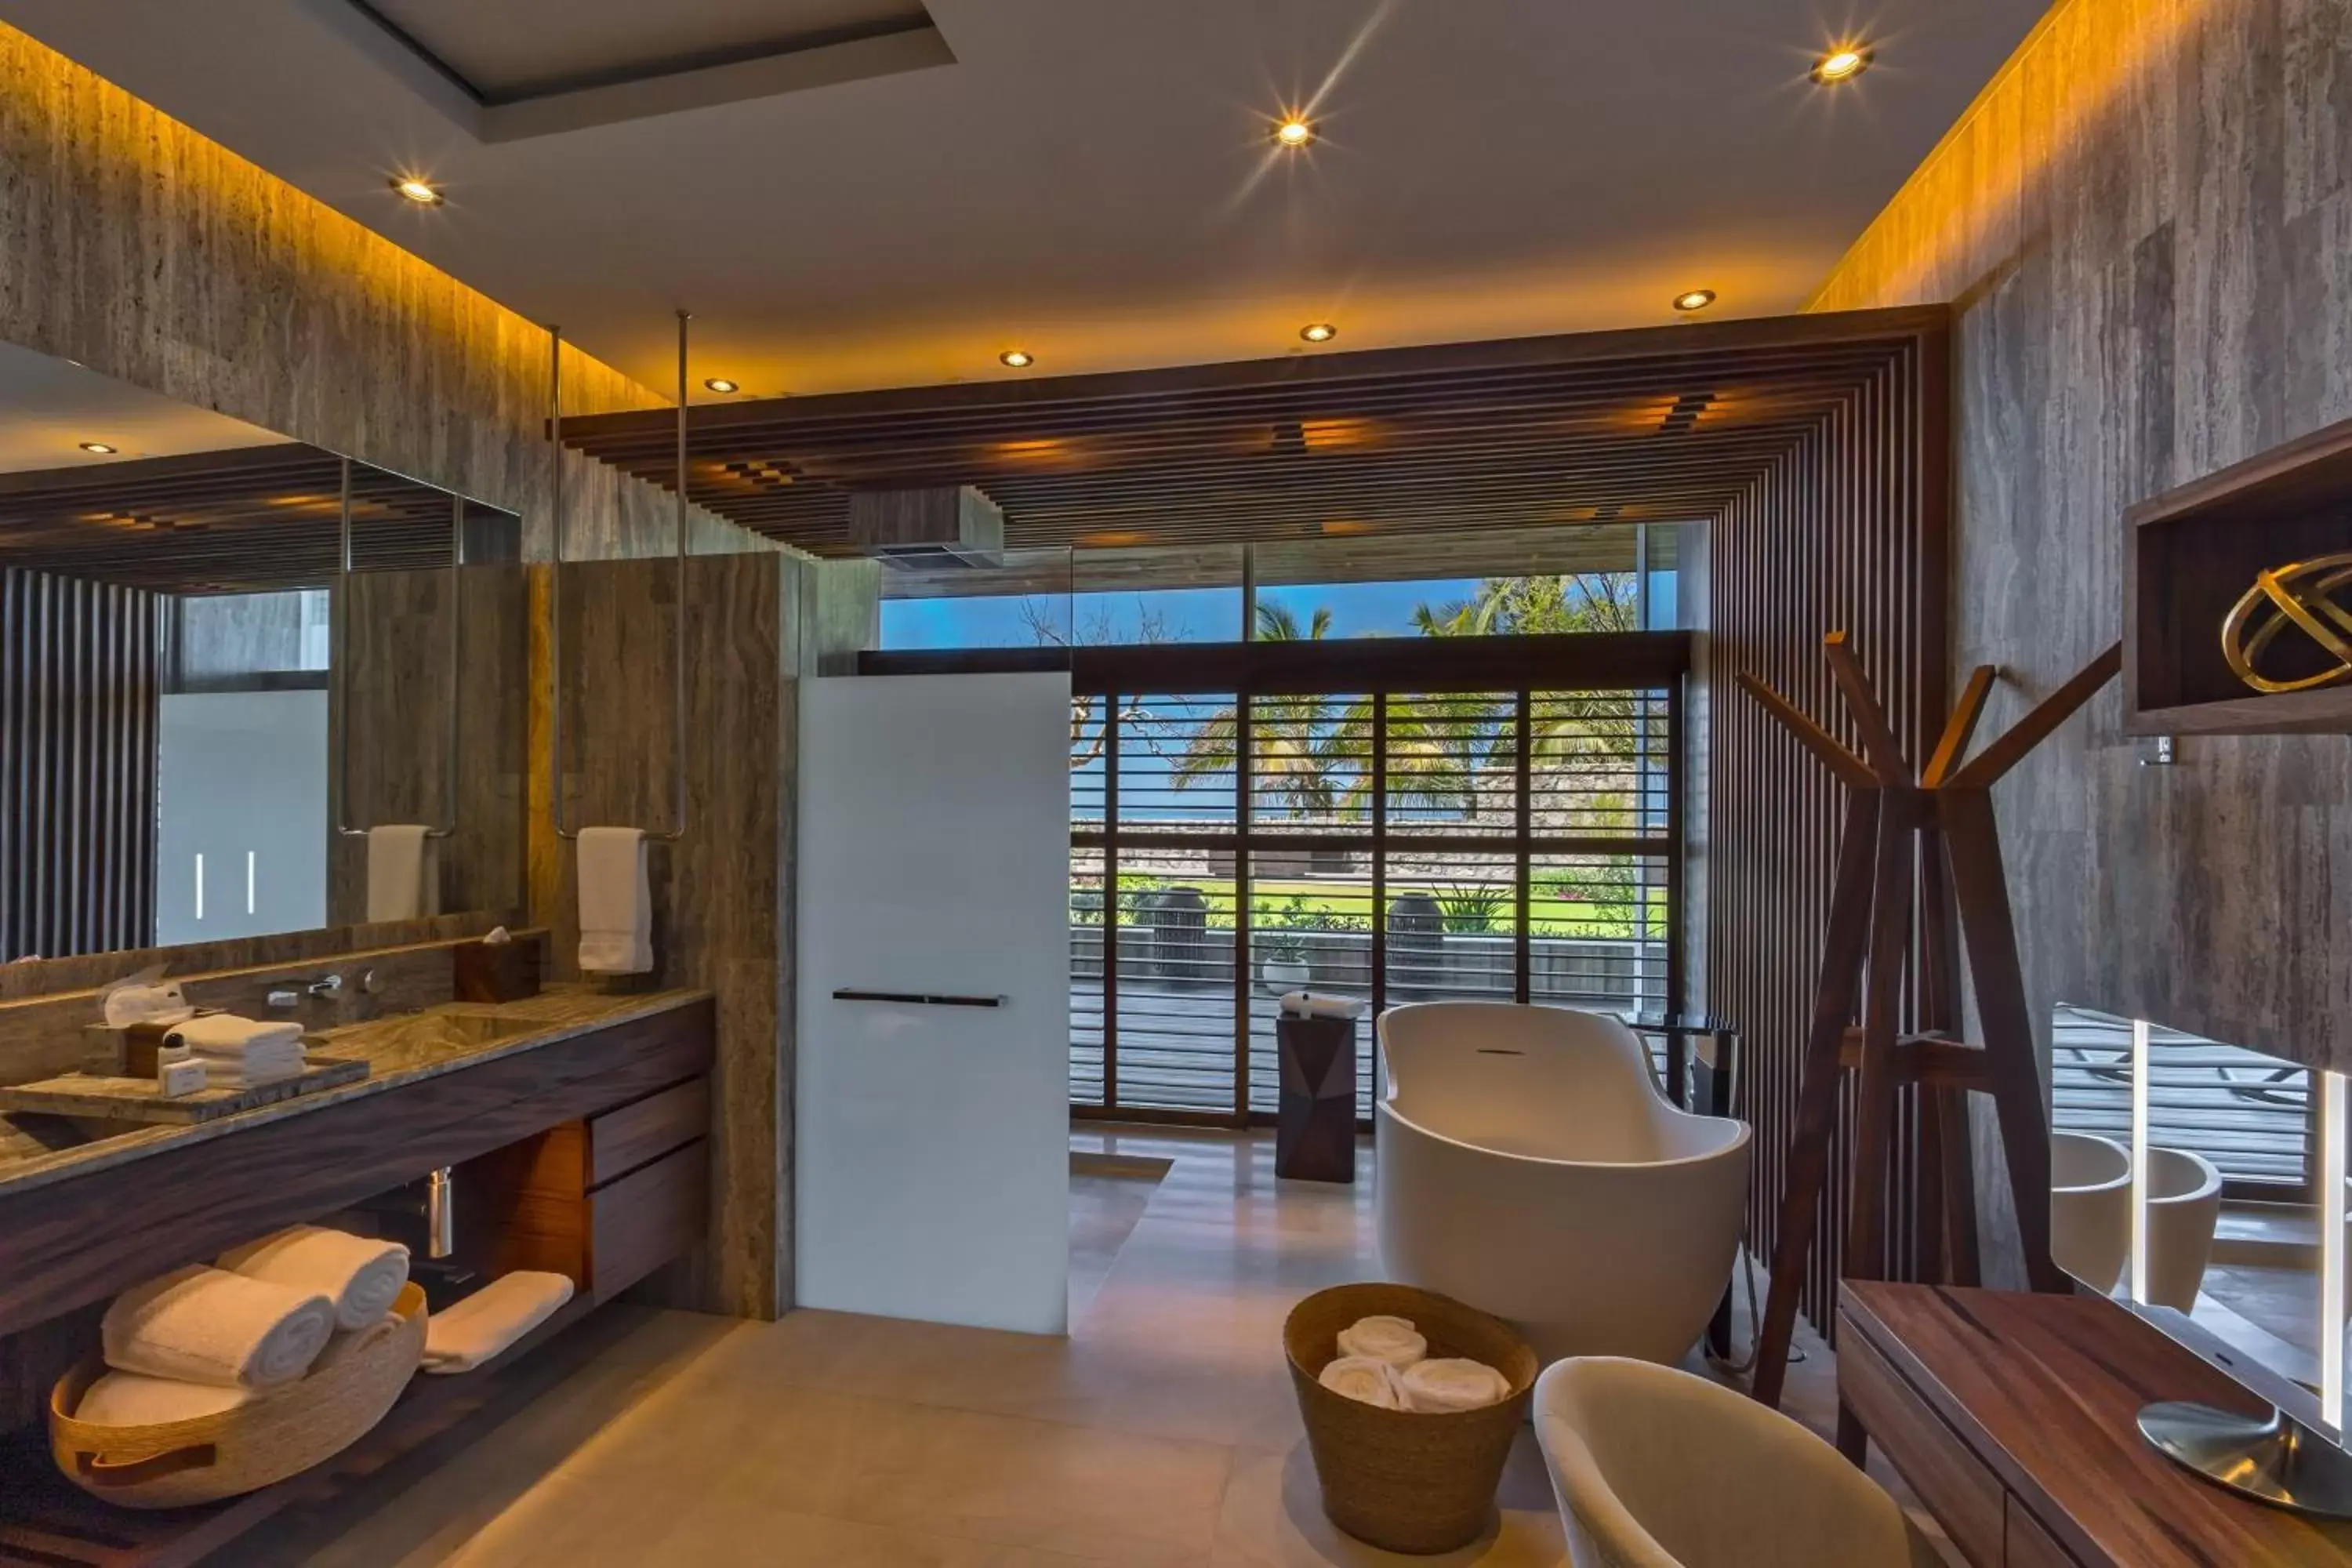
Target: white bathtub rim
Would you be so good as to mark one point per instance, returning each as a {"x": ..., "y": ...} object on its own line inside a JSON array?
[{"x": 1743, "y": 1135}]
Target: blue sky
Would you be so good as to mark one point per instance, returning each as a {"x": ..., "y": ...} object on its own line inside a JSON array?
[{"x": 1190, "y": 614}]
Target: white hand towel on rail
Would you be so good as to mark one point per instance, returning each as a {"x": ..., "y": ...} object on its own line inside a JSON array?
[
  {"x": 491, "y": 1319},
  {"x": 616, "y": 914},
  {"x": 206, "y": 1325},
  {"x": 404, "y": 873},
  {"x": 359, "y": 1275}
]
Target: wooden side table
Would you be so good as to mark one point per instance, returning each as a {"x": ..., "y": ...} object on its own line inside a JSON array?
[
  {"x": 1315, "y": 1126},
  {"x": 2013, "y": 1417}
]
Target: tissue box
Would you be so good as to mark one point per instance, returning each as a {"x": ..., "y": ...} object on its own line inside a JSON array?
[{"x": 508, "y": 971}]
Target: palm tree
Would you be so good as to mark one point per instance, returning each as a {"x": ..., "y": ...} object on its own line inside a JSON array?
[{"x": 1299, "y": 759}]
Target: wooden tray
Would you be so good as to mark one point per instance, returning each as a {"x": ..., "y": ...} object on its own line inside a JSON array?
[{"x": 137, "y": 1099}]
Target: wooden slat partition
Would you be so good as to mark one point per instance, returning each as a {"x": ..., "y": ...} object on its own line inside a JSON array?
[
  {"x": 1846, "y": 531},
  {"x": 80, "y": 668}
]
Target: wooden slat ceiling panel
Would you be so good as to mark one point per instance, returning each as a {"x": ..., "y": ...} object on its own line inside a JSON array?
[
  {"x": 1663, "y": 424},
  {"x": 260, "y": 517}
]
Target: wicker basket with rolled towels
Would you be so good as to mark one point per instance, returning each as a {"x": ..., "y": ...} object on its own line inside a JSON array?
[
  {"x": 148, "y": 1442},
  {"x": 359, "y": 1275},
  {"x": 1391, "y": 1474}
]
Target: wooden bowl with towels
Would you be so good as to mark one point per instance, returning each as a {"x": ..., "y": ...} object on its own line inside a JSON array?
[
  {"x": 1398, "y": 1479},
  {"x": 275, "y": 1434}
]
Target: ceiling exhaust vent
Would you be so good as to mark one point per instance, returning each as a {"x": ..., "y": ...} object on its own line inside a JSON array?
[{"x": 945, "y": 525}]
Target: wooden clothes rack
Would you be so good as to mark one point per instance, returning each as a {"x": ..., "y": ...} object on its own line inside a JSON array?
[{"x": 1921, "y": 840}]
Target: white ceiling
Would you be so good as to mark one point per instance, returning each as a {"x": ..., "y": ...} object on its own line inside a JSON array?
[
  {"x": 1091, "y": 179},
  {"x": 49, "y": 406}
]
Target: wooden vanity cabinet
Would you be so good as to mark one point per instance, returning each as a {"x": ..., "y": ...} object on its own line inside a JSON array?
[{"x": 603, "y": 1200}]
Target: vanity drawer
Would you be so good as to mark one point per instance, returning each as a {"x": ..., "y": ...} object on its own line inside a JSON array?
[
  {"x": 623, "y": 1139},
  {"x": 1965, "y": 1498},
  {"x": 647, "y": 1217}
]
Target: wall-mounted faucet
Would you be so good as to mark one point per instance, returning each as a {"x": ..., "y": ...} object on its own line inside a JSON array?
[{"x": 327, "y": 985}]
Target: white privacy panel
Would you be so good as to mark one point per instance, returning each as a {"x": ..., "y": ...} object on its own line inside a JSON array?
[{"x": 933, "y": 1173}]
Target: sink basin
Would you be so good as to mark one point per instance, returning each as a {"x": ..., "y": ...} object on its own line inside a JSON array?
[
  {"x": 439, "y": 1030},
  {"x": 483, "y": 1028}
]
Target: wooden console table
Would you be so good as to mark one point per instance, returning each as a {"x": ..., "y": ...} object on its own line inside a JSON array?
[{"x": 2012, "y": 1418}]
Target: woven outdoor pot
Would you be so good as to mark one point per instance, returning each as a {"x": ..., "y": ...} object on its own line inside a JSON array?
[
  {"x": 1418, "y": 1484},
  {"x": 283, "y": 1432}
]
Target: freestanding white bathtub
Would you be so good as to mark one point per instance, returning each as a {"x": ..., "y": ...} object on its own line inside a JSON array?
[{"x": 1529, "y": 1165}]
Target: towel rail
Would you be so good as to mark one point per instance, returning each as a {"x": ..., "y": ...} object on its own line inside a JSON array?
[
  {"x": 919, "y": 998},
  {"x": 555, "y": 600},
  {"x": 342, "y": 663}
]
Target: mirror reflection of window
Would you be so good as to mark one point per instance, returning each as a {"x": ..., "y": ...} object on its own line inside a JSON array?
[
  {"x": 2184, "y": 1175},
  {"x": 242, "y": 767}
]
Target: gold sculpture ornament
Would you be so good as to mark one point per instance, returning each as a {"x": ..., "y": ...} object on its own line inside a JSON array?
[{"x": 2301, "y": 594}]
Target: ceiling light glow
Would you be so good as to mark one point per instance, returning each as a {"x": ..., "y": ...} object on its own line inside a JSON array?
[
  {"x": 721, "y": 384},
  {"x": 1318, "y": 331},
  {"x": 1017, "y": 359},
  {"x": 423, "y": 192},
  {"x": 101, "y": 447},
  {"x": 1695, "y": 300},
  {"x": 1843, "y": 63},
  {"x": 1294, "y": 131}
]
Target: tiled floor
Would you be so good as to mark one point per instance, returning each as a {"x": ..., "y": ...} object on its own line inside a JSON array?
[{"x": 1160, "y": 1432}]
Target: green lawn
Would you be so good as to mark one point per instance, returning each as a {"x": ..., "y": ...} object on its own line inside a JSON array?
[{"x": 1274, "y": 902}]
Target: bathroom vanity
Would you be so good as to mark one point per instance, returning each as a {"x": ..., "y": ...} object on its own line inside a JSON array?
[{"x": 578, "y": 1124}]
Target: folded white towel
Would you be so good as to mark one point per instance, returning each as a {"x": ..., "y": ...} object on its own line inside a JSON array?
[
  {"x": 1391, "y": 1340},
  {"x": 486, "y": 1322},
  {"x": 219, "y": 1074},
  {"x": 1308, "y": 1004},
  {"x": 616, "y": 906},
  {"x": 404, "y": 873},
  {"x": 1365, "y": 1380},
  {"x": 226, "y": 1035},
  {"x": 128, "y": 1399},
  {"x": 360, "y": 1276},
  {"x": 1435, "y": 1387},
  {"x": 206, "y": 1325}
]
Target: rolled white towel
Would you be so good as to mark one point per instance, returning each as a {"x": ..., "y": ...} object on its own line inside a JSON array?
[
  {"x": 1393, "y": 1339},
  {"x": 486, "y": 1322},
  {"x": 1364, "y": 1379},
  {"x": 360, "y": 1276},
  {"x": 1435, "y": 1387},
  {"x": 129, "y": 1399},
  {"x": 206, "y": 1325},
  {"x": 226, "y": 1035}
]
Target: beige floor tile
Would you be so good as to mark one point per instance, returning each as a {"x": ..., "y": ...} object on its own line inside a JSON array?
[
  {"x": 1273, "y": 1518},
  {"x": 1106, "y": 1497},
  {"x": 723, "y": 1536},
  {"x": 1162, "y": 1431}
]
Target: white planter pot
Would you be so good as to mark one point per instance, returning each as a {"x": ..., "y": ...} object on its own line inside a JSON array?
[{"x": 1281, "y": 975}]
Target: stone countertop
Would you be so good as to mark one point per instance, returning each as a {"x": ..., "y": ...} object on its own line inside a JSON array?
[{"x": 409, "y": 1047}]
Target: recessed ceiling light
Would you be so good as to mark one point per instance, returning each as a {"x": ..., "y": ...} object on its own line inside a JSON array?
[
  {"x": 1318, "y": 331},
  {"x": 423, "y": 192},
  {"x": 1695, "y": 300},
  {"x": 1843, "y": 63},
  {"x": 101, "y": 447},
  {"x": 1018, "y": 358},
  {"x": 721, "y": 384},
  {"x": 1294, "y": 131}
]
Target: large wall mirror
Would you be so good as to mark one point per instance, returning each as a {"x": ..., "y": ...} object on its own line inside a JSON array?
[{"x": 246, "y": 686}]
